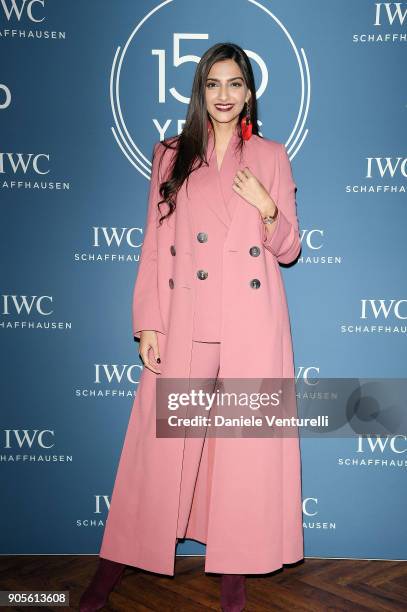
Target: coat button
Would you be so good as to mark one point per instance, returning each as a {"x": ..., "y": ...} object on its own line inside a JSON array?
[
  {"x": 172, "y": 249},
  {"x": 202, "y": 274},
  {"x": 171, "y": 283},
  {"x": 202, "y": 236},
  {"x": 255, "y": 283},
  {"x": 254, "y": 251}
]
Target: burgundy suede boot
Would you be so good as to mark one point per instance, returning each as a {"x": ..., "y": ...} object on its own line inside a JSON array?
[
  {"x": 233, "y": 592},
  {"x": 107, "y": 576}
]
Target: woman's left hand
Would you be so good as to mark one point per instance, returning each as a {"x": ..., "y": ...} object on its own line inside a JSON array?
[{"x": 250, "y": 188}]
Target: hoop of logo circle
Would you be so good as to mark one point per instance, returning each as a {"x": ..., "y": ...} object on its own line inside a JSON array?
[{"x": 125, "y": 140}]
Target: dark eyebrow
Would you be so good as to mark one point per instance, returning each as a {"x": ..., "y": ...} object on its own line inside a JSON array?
[{"x": 232, "y": 79}]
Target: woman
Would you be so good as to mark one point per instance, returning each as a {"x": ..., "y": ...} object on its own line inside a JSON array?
[{"x": 208, "y": 302}]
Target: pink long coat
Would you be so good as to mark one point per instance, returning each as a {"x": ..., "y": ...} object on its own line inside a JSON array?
[{"x": 246, "y": 501}]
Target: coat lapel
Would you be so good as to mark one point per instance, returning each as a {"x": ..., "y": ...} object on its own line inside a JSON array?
[{"x": 224, "y": 205}]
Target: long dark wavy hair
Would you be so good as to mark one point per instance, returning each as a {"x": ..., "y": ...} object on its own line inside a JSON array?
[{"x": 191, "y": 145}]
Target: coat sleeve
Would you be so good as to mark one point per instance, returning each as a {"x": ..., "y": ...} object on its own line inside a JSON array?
[
  {"x": 146, "y": 313},
  {"x": 285, "y": 242}
]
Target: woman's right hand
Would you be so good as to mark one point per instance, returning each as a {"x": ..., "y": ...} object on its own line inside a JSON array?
[{"x": 149, "y": 339}]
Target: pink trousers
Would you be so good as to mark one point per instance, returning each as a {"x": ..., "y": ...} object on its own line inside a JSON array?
[{"x": 198, "y": 456}]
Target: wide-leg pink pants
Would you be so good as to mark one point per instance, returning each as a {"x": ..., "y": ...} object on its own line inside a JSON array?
[{"x": 198, "y": 456}]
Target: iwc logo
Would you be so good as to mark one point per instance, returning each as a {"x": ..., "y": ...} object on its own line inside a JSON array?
[{"x": 152, "y": 73}]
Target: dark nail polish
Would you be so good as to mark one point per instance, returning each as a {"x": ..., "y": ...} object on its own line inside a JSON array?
[{"x": 158, "y": 360}]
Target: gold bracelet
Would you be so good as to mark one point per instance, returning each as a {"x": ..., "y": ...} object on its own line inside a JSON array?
[{"x": 270, "y": 218}]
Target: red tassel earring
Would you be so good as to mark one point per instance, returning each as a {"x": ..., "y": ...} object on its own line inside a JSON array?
[{"x": 246, "y": 124}]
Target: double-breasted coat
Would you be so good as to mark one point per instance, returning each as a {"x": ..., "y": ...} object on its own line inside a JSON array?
[{"x": 239, "y": 496}]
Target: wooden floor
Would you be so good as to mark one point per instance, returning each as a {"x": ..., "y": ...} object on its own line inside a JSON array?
[{"x": 313, "y": 585}]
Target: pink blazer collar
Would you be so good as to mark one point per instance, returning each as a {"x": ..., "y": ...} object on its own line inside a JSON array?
[{"x": 232, "y": 161}]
